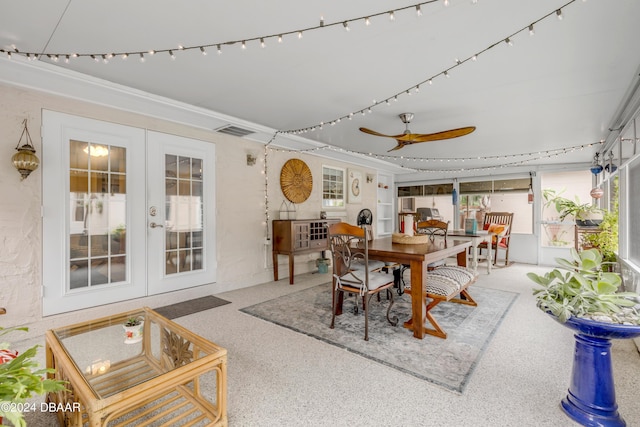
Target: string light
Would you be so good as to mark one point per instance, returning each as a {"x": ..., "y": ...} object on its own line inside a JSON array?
[
  {"x": 531, "y": 32},
  {"x": 519, "y": 159},
  {"x": 279, "y": 36},
  {"x": 445, "y": 73}
]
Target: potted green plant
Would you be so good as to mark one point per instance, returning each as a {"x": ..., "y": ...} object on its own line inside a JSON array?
[
  {"x": 583, "y": 296},
  {"x": 20, "y": 379},
  {"x": 606, "y": 240},
  {"x": 582, "y": 286},
  {"x": 133, "y": 329},
  {"x": 585, "y": 214}
]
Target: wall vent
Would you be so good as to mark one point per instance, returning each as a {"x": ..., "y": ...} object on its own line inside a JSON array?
[{"x": 235, "y": 131}]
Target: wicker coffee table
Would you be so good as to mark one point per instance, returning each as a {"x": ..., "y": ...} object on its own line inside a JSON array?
[{"x": 171, "y": 375}]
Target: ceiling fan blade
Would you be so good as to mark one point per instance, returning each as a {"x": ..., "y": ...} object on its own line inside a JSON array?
[
  {"x": 401, "y": 144},
  {"x": 373, "y": 132},
  {"x": 447, "y": 134}
]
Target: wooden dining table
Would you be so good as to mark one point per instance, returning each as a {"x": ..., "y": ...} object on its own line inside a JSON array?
[{"x": 418, "y": 256}]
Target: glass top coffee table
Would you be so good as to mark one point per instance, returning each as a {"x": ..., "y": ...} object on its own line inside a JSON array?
[{"x": 159, "y": 374}]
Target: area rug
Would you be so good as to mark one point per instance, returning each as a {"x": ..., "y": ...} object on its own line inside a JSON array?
[
  {"x": 448, "y": 363},
  {"x": 191, "y": 306}
]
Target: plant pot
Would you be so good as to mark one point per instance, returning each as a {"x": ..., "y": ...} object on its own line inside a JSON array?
[
  {"x": 133, "y": 334},
  {"x": 588, "y": 222},
  {"x": 591, "y": 400}
]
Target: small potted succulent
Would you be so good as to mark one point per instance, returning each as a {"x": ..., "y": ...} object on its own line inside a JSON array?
[
  {"x": 133, "y": 329},
  {"x": 583, "y": 296}
]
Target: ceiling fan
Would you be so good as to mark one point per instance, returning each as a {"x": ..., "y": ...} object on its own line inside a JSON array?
[{"x": 408, "y": 138}]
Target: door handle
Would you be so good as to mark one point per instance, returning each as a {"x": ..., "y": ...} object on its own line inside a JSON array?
[{"x": 154, "y": 225}]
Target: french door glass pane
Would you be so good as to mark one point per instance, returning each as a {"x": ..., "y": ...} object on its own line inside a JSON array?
[
  {"x": 184, "y": 212},
  {"x": 97, "y": 222}
]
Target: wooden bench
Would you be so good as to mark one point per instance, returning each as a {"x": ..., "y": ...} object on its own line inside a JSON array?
[{"x": 446, "y": 283}]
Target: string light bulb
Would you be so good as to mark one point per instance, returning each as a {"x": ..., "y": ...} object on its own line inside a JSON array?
[
  {"x": 559, "y": 14},
  {"x": 262, "y": 44},
  {"x": 367, "y": 21},
  {"x": 392, "y": 16},
  {"x": 171, "y": 54},
  {"x": 141, "y": 57},
  {"x": 345, "y": 24},
  {"x": 203, "y": 51},
  {"x": 531, "y": 32},
  {"x": 418, "y": 10}
]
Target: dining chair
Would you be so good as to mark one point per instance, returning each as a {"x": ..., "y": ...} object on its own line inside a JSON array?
[
  {"x": 352, "y": 273},
  {"x": 432, "y": 228},
  {"x": 499, "y": 223}
]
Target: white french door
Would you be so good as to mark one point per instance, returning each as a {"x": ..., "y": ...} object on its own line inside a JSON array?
[
  {"x": 180, "y": 215},
  {"x": 101, "y": 184}
]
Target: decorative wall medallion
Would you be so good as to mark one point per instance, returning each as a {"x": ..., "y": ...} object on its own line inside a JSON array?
[{"x": 296, "y": 180}]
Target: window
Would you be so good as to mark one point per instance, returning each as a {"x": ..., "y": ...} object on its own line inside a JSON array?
[
  {"x": 507, "y": 195},
  {"x": 97, "y": 185},
  {"x": 333, "y": 187}
]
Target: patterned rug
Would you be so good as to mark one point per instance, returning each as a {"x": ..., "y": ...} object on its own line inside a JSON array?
[{"x": 446, "y": 362}]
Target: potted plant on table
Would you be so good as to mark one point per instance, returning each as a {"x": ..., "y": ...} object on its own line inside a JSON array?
[
  {"x": 133, "y": 329},
  {"x": 585, "y": 214},
  {"x": 20, "y": 379},
  {"x": 581, "y": 295}
]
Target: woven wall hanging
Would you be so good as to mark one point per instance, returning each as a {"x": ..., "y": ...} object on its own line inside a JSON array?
[{"x": 296, "y": 180}]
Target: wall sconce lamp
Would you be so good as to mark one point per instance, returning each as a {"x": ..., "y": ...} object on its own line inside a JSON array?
[
  {"x": 25, "y": 160},
  {"x": 251, "y": 159}
]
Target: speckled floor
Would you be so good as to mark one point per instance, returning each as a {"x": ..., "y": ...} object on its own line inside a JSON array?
[{"x": 277, "y": 377}]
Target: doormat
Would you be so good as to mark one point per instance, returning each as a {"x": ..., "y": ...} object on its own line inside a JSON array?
[
  {"x": 191, "y": 306},
  {"x": 448, "y": 363}
]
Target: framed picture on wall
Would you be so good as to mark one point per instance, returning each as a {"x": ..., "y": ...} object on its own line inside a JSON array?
[{"x": 355, "y": 186}]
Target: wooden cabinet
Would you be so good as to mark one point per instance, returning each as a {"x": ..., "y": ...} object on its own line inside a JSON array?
[{"x": 299, "y": 236}]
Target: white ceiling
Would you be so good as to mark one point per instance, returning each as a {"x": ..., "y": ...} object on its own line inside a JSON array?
[{"x": 555, "y": 90}]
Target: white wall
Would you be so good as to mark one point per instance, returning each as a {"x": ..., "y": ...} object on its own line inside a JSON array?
[{"x": 243, "y": 258}]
